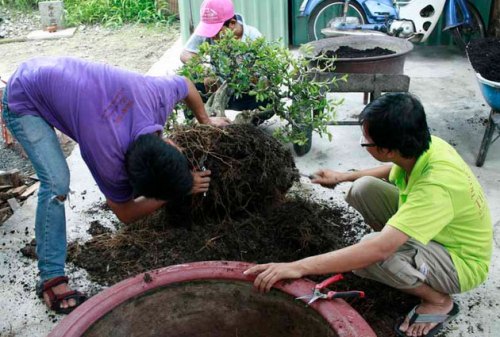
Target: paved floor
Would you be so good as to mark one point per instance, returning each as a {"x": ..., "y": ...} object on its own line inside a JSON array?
[{"x": 440, "y": 76}]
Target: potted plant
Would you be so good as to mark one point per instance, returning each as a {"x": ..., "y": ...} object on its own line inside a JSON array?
[{"x": 276, "y": 78}]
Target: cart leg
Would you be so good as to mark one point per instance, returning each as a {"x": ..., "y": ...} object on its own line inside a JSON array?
[{"x": 485, "y": 144}]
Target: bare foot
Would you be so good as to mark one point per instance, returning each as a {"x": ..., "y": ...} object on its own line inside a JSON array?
[
  {"x": 422, "y": 329},
  {"x": 60, "y": 289}
]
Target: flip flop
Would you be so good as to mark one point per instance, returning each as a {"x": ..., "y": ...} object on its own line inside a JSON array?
[{"x": 441, "y": 319}]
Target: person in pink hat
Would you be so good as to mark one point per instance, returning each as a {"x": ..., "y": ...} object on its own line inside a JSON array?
[{"x": 215, "y": 17}]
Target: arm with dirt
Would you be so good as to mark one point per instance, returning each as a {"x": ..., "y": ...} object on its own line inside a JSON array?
[
  {"x": 194, "y": 102},
  {"x": 357, "y": 256},
  {"x": 135, "y": 209},
  {"x": 330, "y": 178}
]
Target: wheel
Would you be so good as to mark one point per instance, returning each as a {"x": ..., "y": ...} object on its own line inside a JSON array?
[
  {"x": 466, "y": 33},
  {"x": 328, "y": 10}
]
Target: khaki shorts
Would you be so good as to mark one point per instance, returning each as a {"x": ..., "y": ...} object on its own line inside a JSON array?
[{"x": 413, "y": 263}]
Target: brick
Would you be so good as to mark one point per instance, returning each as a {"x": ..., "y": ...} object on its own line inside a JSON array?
[{"x": 14, "y": 205}]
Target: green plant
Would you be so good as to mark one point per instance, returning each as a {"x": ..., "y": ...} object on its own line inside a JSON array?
[
  {"x": 282, "y": 82},
  {"x": 20, "y": 4},
  {"x": 115, "y": 12},
  {"x": 110, "y": 13}
]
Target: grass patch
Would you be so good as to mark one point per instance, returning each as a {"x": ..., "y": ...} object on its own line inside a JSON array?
[
  {"x": 110, "y": 13},
  {"x": 20, "y": 4}
]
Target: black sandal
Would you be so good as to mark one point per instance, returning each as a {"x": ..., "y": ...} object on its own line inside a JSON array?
[
  {"x": 56, "y": 299},
  {"x": 440, "y": 319}
]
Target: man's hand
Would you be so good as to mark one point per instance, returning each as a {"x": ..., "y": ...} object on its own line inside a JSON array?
[
  {"x": 211, "y": 84},
  {"x": 270, "y": 273},
  {"x": 194, "y": 102},
  {"x": 219, "y": 121},
  {"x": 201, "y": 181},
  {"x": 329, "y": 178}
]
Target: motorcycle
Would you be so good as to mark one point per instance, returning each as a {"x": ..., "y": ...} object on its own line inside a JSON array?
[{"x": 411, "y": 19}]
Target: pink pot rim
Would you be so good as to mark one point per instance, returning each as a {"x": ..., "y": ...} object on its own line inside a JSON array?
[{"x": 343, "y": 319}]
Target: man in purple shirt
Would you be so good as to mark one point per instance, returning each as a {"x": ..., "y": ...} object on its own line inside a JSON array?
[{"x": 117, "y": 118}]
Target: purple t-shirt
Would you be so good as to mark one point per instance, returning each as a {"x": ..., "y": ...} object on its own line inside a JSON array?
[{"x": 101, "y": 107}]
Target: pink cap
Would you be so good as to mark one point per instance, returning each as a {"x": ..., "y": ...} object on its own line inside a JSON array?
[{"x": 213, "y": 14}]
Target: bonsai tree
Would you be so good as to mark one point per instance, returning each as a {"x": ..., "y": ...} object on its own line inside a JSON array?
[{"x": 278, "y": 79}]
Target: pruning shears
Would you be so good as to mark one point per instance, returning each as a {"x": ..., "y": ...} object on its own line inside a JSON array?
[
  {"x": 310, "y": 176},
  {"x": 318, "y": 294},
  {"x": 201, "y": 164}
]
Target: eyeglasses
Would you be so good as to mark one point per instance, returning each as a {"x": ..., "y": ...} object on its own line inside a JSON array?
[{"x": 362, "y": 141}]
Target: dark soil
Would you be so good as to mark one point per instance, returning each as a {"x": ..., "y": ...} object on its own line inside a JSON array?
[
  {"x": 484, "y": 55},
  {"x": 96, "y": 228},
  {"x": 345, "y": 52}
]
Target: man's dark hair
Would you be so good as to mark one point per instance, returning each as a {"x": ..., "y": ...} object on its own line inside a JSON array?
[
  {"x": 157, "y": 170},
  {"x": 397, "y": 121}
]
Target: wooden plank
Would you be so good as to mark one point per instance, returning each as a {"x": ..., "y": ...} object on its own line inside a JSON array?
[
  {"x": 5, "y": 187},
  {"x": 18, "y": 190},
  {"x": 14, "y": 205},
  {"x": 30, "y": 190},
  {"x": 12, "y": 177},
  {"x": 4, "y": 210},
  {"x": 4, "y": 178}
]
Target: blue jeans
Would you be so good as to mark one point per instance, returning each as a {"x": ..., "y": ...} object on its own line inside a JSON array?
[{"x": 40, "y": 142}]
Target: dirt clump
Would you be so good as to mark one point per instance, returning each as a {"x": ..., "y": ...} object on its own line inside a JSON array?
[
  {"x": 251, "y": 171},
  {"x": 96, "y": 228}
]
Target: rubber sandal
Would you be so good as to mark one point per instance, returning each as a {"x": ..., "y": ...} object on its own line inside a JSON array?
[
  {"x": 56, "y": 299},
  {"x": 441, "y": 319}
]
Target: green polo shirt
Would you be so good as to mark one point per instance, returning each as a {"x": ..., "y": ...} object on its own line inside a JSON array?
[{"x": 443, "y": 202}]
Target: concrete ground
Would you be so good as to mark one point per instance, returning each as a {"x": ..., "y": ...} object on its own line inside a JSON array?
[{"x": 440, "y": 76}]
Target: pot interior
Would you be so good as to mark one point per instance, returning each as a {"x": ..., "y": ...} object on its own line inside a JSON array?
[{"x": 211, "y": 308}]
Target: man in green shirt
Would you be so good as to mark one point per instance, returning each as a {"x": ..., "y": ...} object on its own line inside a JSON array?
[{"x": 433, "y": 232}]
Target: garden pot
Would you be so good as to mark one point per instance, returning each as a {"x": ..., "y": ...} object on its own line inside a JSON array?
[
  {"x": 301, "y": 150},
  {"x": 209, "y": 299},
  {"x": 385, "y": 64}
]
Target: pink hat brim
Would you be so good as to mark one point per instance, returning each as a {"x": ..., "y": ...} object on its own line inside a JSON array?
[{"x": 208, "y": 29}]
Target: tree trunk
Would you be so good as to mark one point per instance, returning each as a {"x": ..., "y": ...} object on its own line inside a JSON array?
[
  {"x": 217, "y": 103},
  {"x": 168, "y": 6}
]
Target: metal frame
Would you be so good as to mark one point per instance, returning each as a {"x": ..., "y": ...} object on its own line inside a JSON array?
[
  {"x": 493, "y": 124},
  {"x": 372, "y": 84}
]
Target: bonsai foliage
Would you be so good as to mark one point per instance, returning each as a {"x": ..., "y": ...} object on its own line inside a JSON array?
[{"x": 279, "y": 80}]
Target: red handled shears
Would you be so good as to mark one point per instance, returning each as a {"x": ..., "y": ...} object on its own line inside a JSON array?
[{"x": 319, "y": 294}]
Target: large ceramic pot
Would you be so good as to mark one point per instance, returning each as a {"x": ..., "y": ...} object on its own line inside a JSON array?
[{"x": 209, "y": 299}]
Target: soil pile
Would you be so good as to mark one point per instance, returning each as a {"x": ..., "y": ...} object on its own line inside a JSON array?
[
  {"x": 484, "y": 55},
  {"x": 295, "y": 229}
]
